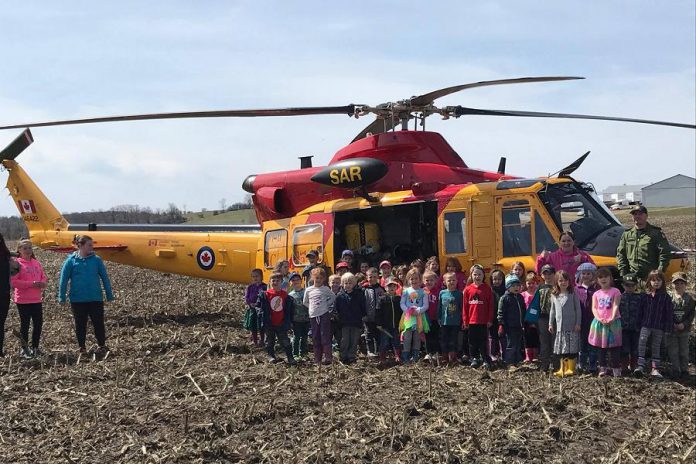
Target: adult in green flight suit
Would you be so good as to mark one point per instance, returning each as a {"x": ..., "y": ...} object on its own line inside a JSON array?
[{"x": 643, "y": 247}]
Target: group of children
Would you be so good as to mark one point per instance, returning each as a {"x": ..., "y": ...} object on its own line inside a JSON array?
[{"x": 565, "y": 322}]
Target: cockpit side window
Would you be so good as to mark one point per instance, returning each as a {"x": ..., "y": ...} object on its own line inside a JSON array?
[{"x": 517, "y": 229}]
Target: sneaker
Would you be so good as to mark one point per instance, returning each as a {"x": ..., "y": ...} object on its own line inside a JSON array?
[
  {"x": 655, "y": 373},
  {"x": 603, "y": 372},
  {"x": 272, "y": 359},
  {"x": 487, "y": 366},
  {"x": 427, "y": 357},
  {"x": 638, "y": 370},
  {"x": 37, "y": 352},
  {"x": 25, "y": 353},
  {"x": 475, "y": 364},
  {"x": 292, "y": 362},
  {"x": 371, "y": 354}
]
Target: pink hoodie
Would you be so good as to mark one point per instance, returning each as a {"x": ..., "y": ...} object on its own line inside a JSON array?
[{"x": 30, "y": 271}]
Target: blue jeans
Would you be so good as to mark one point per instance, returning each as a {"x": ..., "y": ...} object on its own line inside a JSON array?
[
  {"x": 513, "y": 345},
  {"x": 386, "y": 343},
  {"x": 299, "y": 338},
  {"x": 449, "y": 335},
  {"x": 587, "y": 358}
]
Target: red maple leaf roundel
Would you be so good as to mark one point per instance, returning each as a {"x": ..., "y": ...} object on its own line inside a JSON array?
[{"x": 205, "y": 257}]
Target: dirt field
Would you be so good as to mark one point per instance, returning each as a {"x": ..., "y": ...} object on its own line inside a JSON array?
[{"x": 181, "y": 385}]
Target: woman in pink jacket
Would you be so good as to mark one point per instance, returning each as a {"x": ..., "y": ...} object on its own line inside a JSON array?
[
  {"x": 567, "y": 258},
  {"x": 28, "y": 285}
]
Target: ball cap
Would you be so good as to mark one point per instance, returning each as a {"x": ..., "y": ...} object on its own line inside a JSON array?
[
  {"x": 347, "y": 253},
  {"x": 630, "y": 279},
  {"x": 639, "y": 209},
  {"x": 314, "y": 253},
  {"x": 342, "y": 264},
  {"x": 292, "y": 275},
  {"x": 385, "y": 263},
  {"x": 391, "y": 281},
  {"x": 677, "y": 276},
  {"x": 547, "y": 268}
]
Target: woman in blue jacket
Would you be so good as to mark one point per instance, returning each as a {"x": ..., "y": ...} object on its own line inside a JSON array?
[{"x": 86, "y": 273}]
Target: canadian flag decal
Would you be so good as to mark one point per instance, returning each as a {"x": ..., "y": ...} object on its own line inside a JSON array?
[{"x": 27, "y": 206}]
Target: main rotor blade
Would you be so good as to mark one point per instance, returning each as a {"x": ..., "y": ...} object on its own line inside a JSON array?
[
  {"x": 430, "y": 97},
  {"x": 463, "y": 111},
  {"x": 348, "y": 109},
  {"x": 377, "y": 126}
]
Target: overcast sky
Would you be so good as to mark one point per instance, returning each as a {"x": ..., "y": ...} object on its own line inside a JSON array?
[{"x": 79, "y": 59}]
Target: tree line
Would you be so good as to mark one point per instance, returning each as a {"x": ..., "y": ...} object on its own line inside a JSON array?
[{"x": 13, "y": 228}]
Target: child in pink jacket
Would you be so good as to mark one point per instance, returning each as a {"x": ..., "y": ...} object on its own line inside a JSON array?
[{"x": 28, "y": 286}]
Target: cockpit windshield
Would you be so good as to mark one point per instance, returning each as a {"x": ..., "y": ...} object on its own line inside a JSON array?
[{"x": 575, "y": 209}]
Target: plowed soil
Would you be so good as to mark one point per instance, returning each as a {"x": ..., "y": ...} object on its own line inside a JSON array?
[{"x": 182, "y": 384}]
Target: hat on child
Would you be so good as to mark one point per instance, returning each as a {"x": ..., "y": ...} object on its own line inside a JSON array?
[
  {"x": 347, "y": 252},
  {"x": 391, "y": 281},
  {"x": 342, "y": 264},
  {"x": 587, "y": 267},
  {"x": 631, "y": 279},
  {"x": 547, "y": 268},
  {"x": 511, "y": 280},
  {"x": 314, "y": 253},
  {"x": 677, "y": 276},
  {"x": 385, "y": 263},
  {"x": 292, "y": 275}
]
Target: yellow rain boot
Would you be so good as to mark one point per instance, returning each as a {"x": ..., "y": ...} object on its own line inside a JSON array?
[
  {"x": 570, "y": 367},
  {"x": 561, "y": 371}
]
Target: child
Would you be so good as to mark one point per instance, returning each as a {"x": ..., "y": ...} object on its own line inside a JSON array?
[
  {"x": 449, "y": 310},
  {"x": 678, "y": 340},
  {"x": 360, "y": 279},
  {"x": 319, "y": 299},
  {"x": 300, "y": 320},
  {"x": 342, "y": 267},
  {"x": 477, "y": 315},
  {"x": 347, "y": 257},
  {"x": 546, "y": 338},
  {"x": 520, "y": 271},
  {"x": 433, "y": 265},
  {"x": 385, "y": 272},
  {"x": 364, "y": 266},
  {"x": 605, "y": 331},
  {"x": 497, "y": 279},
  {"x": 29, "y": 283},
  {"x": 251, "y": 321},
  {"x": 373, "y": 292},
  {"x": 418, "y": 264},
  {"x": 531, "y": 347},
  {"x": 313, "y": 258},
  {"x": 511, "y": 312},
  {"x": 387, "y": 319},
  {"x": 400, "y": 273},
  {"x": 631, "y": 303},
  {"x": 656, "y": 318},
  {"x": 432, "y": 290},
  {"x": 335, "y": 286},
  {"x": 453, "y": 265},
  {"x": 414, "y": 323},
  {"x": 350, "y": 306},
  {"x": 275, "y": 312},
  {"x": 564, "y": 321},
  {"x": 283, "y": 267},
  {"x": 585, "y": 277}
]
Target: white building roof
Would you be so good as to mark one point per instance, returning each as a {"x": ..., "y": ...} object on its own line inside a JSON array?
[
  {"x": 622, "y": 189},
  {"x": 676, "y": 181}
]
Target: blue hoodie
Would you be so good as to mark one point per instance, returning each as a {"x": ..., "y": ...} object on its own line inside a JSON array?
[{"x": 84, "y": 275}]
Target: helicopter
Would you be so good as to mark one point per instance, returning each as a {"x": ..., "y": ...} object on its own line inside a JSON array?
[{"x": 392, "y": 193}]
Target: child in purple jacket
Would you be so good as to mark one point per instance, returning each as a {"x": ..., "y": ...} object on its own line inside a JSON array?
[
  {"x": 251, "y": 322},
  {"x": 656, "y": 320}
]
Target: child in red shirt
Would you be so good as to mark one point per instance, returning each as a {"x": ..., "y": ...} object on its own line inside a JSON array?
[
  {"x": 275, "y": 313},
  {"x": 478, "y": 316}
]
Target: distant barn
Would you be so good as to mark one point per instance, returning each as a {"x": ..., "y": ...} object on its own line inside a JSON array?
[{"x": 678, "y": 190}]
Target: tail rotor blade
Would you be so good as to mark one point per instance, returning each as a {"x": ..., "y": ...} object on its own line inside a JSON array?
[{"x": 17, "y": 146}]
